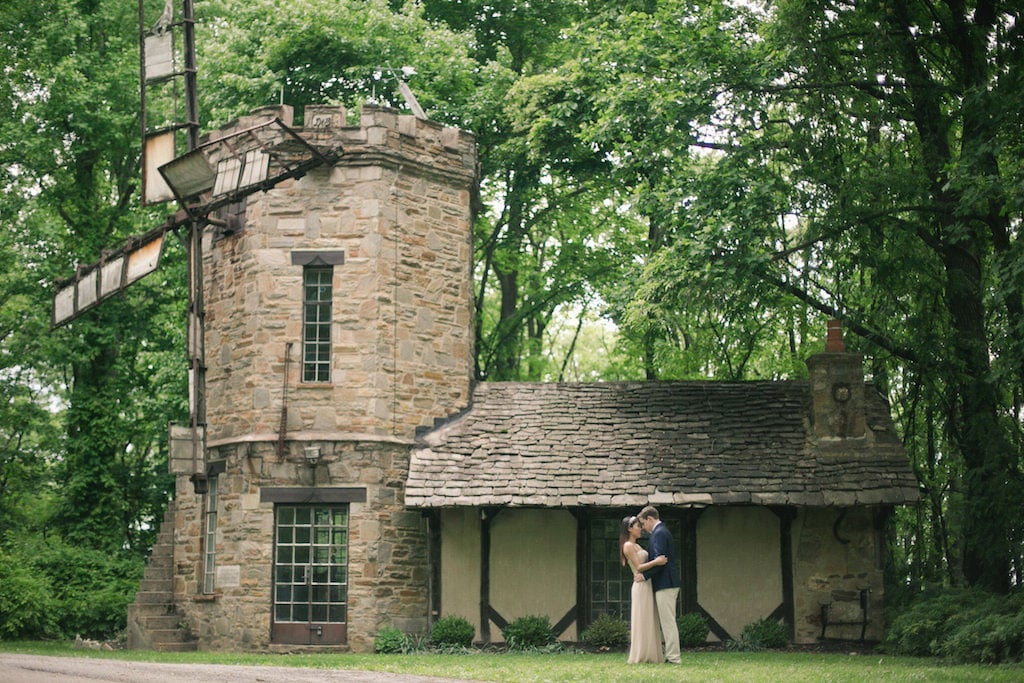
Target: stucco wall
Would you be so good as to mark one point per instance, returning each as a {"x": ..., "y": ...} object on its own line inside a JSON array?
[
  {"x": 740, "y": 569},
  {"x": 739, "y": 577},
  {"x": 532, "y": 565},
  {"x": 460, "y": 565}
]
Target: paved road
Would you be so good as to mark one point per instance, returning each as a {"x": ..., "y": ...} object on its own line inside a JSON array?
[{"x": 15, "y": 668}]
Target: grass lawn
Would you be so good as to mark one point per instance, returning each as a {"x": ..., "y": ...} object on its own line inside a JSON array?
[{"x": 573, "y": 666}]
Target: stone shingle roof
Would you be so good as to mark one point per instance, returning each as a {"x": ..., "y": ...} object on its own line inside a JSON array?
[{"x": 671, "y": 443}]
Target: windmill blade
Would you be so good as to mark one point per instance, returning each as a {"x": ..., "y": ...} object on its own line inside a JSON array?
[
  {"x": 166, "y": 18},
  {"x": 116, "y": 270},
  {"x": 229, "y": 168}
]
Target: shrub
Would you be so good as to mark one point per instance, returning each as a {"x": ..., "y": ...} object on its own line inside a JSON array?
[
  {"x": 992, "y": 639},
  {"x": 26, "y": 601},
  {"x": 390, "y": 641},
  {"x": 929, "y": 619},
  {"x": 693, "y": 629},
  {"x": 452, "y": 630},
  {"x": 528, "y": 632},
  {"x": 967, "y": 625},
  {"x": 764, "y": 633},
  {"x": 607, "y": 631},
  {"x": 91, "y": 589}
]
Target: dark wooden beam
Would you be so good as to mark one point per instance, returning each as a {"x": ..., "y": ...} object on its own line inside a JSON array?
[
  {"x": 786, "y": 516},
  {"x": 688, "y": 560},
  {"x": 487, "y": 614},
  {"x": 434, "y": 563},
  {"x": 582, "y": 568},
  {"x": 565, "y": 622},
  {"x": 715, "y": 627}
]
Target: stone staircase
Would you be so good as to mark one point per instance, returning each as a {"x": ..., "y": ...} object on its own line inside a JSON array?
[{"x": 153, "y": 620}]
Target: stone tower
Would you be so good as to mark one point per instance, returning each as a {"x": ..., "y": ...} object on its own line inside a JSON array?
[{"x": 338, "y": 321}]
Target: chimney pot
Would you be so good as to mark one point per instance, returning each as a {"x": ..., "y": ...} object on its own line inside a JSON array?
[{"x": 834, "y": 337}]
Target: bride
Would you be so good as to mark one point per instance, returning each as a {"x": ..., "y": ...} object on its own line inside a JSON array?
[{"x": 644, "y": 631}]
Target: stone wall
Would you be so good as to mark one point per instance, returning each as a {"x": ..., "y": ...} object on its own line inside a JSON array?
[
  {"x": 836, "y": 555},
  {"x": 388, "y": 568},
  {"x": 394, "y": 215},
  {"x": 397, "y": 206}
]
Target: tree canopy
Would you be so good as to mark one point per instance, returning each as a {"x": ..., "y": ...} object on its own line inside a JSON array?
[{"x": 697, "y": 186}]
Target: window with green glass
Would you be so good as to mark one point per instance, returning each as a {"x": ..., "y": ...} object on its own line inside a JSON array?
[
  {"x": 316, "y": 323},
  {"x": 311, "y": 564},
  {"x": 210, "y": 540}
]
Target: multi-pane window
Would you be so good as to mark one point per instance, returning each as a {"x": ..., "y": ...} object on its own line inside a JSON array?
[
  {"x": 610, "y": 582},
  {"x": 210, "y": 546},
  {"x": 311, "y": 564},
  {"x": 316, "y": 323}
]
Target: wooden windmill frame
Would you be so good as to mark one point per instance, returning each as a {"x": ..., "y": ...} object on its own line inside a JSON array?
[{"x": 202, "y": 179}]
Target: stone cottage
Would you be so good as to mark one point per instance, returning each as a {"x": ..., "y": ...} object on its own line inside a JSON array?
[{"x": 354, "y": 477}]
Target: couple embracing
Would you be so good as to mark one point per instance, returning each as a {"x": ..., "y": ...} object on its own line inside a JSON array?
[{"x": 655, "y": 588}]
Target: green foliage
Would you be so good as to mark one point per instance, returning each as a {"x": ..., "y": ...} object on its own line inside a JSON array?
[
  {"x": 93, "y": 588},
  {"x": 26, "y": 601},
  {"x": 606, "y": 631},
  {"x": 330, "y": 52},
  {"x": 763, "y": 634},
  {"x": 965, "y": 625},
  {"x": 918, "y": 629},
  {"x": 89, "y": 403},
  {"x": 529, "y": 632},
  {"x": 992, "y": 639},
  {"x": 86, "y": 592},
  {"x": 693, "y": 629},
  {"x": 390, "y": 640},
  {"x": 452, "y": 630}
]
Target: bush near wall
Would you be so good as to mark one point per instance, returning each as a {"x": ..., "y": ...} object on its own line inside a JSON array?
[
  {"x": 693, "y": 629},
  {"x": 529, "y": 632},
  {"x": 762, "y": 634},
  {"x": 964, "y": 625},
  {"x": 391, "y": 641},
  {"x": 452, "y": 631},
  {"x": 607, "y": 631}
]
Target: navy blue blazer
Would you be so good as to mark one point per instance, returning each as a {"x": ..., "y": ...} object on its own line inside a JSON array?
[{"x": 666, "y": 575}]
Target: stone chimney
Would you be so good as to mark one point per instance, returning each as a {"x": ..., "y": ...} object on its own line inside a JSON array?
[{"x": 837, "y": 388}]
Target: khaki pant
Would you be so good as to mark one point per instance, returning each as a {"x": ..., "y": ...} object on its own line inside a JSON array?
[{"x": 666, "y": 600}]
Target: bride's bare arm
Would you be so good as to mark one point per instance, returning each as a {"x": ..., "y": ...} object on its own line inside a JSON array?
[{"x": 659, "y": 560}]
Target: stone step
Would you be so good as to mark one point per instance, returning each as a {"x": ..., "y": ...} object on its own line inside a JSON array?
[
  {"x": 168, "y": 635},
  {"x": 161, "y": 551},
  {"x": 155, "y": 609},
  {"x": 164, "y": 539},
  {"x": 160, "y": 597},
  {"x": 160, "y": 623},
  {"x": 151, "y": 585},
  {"x": 160, "y": 563},
  {"x": 158, "y": 573}
]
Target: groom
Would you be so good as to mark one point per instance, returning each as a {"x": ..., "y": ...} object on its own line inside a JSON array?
[{"x": 664, "y": 578}]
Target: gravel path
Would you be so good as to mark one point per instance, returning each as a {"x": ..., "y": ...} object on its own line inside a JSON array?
[{"x": 17, "y": 668}]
